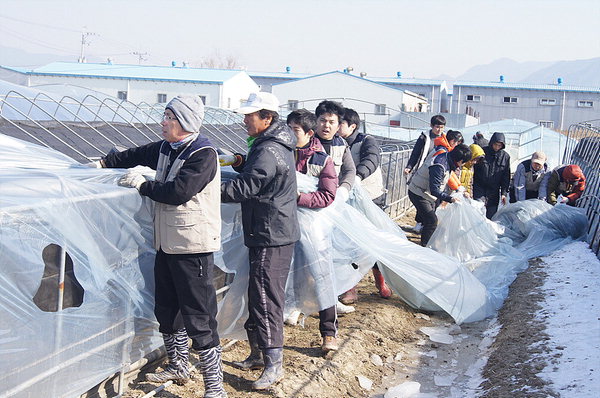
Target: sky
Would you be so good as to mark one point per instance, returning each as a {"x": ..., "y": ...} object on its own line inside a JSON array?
[{"x": 424, "y": 38}]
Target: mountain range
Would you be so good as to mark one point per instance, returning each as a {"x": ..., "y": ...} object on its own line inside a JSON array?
[{"x": 584, "y": 72}]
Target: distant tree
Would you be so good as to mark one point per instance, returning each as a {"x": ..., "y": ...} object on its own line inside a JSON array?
[{"x": 218, "y": 61}]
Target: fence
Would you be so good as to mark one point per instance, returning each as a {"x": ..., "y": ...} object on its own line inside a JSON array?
[{"x": 583, "y": 149}]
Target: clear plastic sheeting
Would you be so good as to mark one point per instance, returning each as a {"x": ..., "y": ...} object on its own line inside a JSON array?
[
  {"x": 62, "y": 213},
  {"x": 341, "y": 243},
  {"x": 496, "y": 251}
]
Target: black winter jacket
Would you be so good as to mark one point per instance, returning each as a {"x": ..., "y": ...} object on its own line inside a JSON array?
[
  {"x": 491, "y": 176},
  {"x": 266, "y": 188}
]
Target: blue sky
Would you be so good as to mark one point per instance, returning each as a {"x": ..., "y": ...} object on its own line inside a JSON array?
[{"x": 421, "y": 38}]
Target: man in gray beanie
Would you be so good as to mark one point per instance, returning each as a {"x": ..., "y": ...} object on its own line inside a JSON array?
[{"x": 187, "y": 230}]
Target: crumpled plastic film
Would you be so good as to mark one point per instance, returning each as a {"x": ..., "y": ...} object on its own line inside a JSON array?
[
  {"x": 496, "y": 251},
  {"x": 49, "y": 202}
]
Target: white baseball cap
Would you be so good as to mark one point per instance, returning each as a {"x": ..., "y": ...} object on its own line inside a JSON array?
[{"x": 258, "y": 101}]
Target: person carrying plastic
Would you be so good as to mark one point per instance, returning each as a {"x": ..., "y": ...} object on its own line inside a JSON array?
[
  {"x": 423, "y": 147},
  {"x": 466, "y": 172},
  {"x": 266, "y": 188},
  {"x": 187, "y": 230},
  {"x": 329, "y": 118},
  {"x": 311, "y": 159},
  {"x": 430, "y": 184},
  {"x": 367, "y": 158},
  {"x": 565, "y": 185},
  {"x": 530, "y": 180},
  {"x": 491, "y": 176}
]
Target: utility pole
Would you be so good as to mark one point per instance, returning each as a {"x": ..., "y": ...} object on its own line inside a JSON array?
[
  {"x": 84, "y": 42},
  {"x": 141, "y": 56}
]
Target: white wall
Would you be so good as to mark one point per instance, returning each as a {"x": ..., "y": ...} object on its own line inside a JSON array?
[
  {"x": 236, "y": 90},
  {"x": 338, "y": 85},
  {"x": 137, "y": 90},
  {"x": 563, "y": 113}
]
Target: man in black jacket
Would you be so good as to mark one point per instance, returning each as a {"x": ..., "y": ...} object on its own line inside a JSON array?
[
  {"x": 491, "y": 177},
  {"x": 266, "y": 188}
]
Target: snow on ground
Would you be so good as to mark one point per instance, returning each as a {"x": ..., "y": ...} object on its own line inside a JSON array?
[{"x": 572, "y": 315}]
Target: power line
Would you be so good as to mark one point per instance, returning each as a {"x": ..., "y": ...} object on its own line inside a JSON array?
[
  {"x": 37, "y": 42},
  {"x": 39, "y": 24}
]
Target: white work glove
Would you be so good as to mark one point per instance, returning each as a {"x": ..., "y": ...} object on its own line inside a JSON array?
[
  {"x": 94, "y": 165},
  {"x": 357, "y": 179},
  {"x": 227, "y": 160},
  {"x": 562, "y": 199},
  {"x": 342, "y": 193},
  {"x": 133, "y": 179}
]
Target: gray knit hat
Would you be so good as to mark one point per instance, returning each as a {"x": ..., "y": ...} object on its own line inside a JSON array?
[{"x": 189, "y": 111}]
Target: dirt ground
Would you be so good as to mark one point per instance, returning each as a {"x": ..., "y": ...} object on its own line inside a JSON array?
[{"x": 383, "y": 343}]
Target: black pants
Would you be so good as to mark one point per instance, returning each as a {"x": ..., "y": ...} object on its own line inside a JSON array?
[
  {"x": 185, "y": 297},
  {"x": 426, "y": 209},
  {"x": 328, "y": 322},
  {"x": 269, "y": 268},
  {"x": 491, "y": 205}
]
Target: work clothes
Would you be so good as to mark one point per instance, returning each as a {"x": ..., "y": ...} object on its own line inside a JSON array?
[
  {"x": 312, "y": 160},
  {"x": 491, "y": 177},
  {"x": 423, "y": 146},
  {"x": 269, "y": 268},
  {"x": 529, "y": 183},
  {"x": 367, "y": 159},
  {"x": 345, "y": 168},
  {"x": 568, "y": 181},
  {"x": 267, "y": 190},
  {"x": 187, "y": 230}
]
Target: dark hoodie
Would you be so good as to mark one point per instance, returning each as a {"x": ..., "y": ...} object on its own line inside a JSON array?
[
  {"x": 492, "y": 175},
  {"x": 266, "y": 188}
]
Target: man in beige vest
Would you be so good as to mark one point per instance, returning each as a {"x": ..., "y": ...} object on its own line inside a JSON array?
[{"x": 187, "y": 230}]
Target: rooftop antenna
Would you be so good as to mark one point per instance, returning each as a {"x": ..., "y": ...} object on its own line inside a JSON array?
[
  {"x": 141, "y": 56},
  {"x": 84, "y": 42}
]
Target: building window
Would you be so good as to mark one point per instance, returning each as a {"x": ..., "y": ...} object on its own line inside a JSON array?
[
  {"x": 380, "y": 109},
  {"x": 203, "y": 99},
  {"x": 474, "y": 98},
  {"x": 122, "y": 95},
  {"x": 585, "y": 104},
  {"x": 510, "y": 100},
  {"x": 547, "y": 123},
  {"x": 292, "y": 105},
  {"x": 547, "y": 101},
  {"x": 161, "y": 98}
]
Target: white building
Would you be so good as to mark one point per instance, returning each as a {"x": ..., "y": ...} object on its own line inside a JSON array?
[
  {"x": 555, "y": 106},
  {"x": 434, "y": 91},
  {"x": 375, "y": 102},
  {"x": 140, "y": 83}
]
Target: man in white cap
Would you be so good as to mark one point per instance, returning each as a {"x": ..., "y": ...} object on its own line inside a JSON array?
[
  {"x": 530, "y": 180},
  {"x": 187, "y": 230},
  {"x": 266, "y": 188}
]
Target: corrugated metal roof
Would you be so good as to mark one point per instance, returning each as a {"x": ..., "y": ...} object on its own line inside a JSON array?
[
  {"x": 528, "y": 86},
  {"x": 136, "y": 72}
]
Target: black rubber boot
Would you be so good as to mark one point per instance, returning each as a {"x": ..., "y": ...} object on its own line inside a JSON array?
[
  {"x": 212, "y": 372},
  {"x": 255, "y": 359},
  {"x": 273, "y": 371}
]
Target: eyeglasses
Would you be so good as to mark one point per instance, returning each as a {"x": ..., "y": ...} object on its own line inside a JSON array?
[{"x": 167, "y": 117}]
